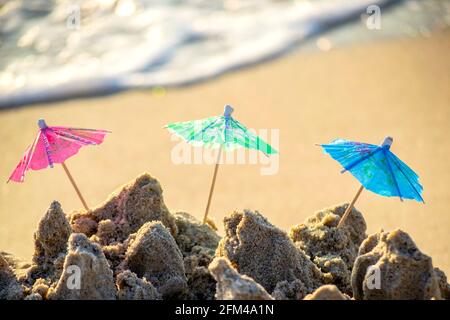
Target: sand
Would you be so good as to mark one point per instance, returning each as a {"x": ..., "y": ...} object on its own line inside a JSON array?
[{"x": 364, "y": 92}]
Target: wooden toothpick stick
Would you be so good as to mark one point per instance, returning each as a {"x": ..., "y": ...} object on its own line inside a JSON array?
[
  {"x": 211, "y": 190},
  {"x": 349, "y": 208},
  {"x": 75, "y": 186}
]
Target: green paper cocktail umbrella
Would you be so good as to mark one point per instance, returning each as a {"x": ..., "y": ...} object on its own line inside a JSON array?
[{"x": 222, "y": 132}]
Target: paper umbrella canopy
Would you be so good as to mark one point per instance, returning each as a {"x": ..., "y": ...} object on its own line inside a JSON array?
[
  {"x": 55, "y": 145},
  {"x": 220, "y": 132},
  {"x": 376, "y": 168}
]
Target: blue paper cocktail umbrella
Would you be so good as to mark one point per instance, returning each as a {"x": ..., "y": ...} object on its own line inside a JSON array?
[{"x": 377, "y": 168}]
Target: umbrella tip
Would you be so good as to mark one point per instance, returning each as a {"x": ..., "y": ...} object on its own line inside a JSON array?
[
  {"x": 42, "y": 124},
  {"x": 387, "y": 142},
  {"x": 228, "y": 110}
]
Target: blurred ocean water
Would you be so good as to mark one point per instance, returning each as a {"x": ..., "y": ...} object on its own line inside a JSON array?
[{"x": 59, "y": 49}]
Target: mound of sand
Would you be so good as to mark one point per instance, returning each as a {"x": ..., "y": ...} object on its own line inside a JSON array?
[
  {"x": 132, "y": 247},
  {"x": 233, "y": 286},
  {"x": 333, "y": 250},
  {"x": 265, "y": 253},
  {"x": 404, "y": 272}
]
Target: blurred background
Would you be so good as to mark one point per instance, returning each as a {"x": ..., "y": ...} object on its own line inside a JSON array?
[
  {"x": 95, "y": 47},
  {"x": 316, "y": 70}
]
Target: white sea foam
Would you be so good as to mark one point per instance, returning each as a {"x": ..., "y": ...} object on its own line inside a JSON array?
[{"x": 140, "y": 44}]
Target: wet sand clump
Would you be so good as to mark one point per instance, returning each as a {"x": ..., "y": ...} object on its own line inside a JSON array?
[
  {"x": 154, "y": 255},
  {"x": 10, "y": 288},
  {"x": 233, "y": 286},
  {"x": 19, "y": 267},
  {"x": 193, "y": 234},
  {"x": 126, "y": 210},
  {"x": 265, "y": 253},
  {"x": 333, "y": 250},
  {"x": 96, "y": 281},
  {"x": 131, "y": 287},
  {"x": 198, "y": 243},
  {"x": 50, "y": 244},
  {"x": 444, "y": 286},
  {"x": 327, "y": 292},
  {"x": 404, "y": 271},
  {"x": 290, "y": 290}
]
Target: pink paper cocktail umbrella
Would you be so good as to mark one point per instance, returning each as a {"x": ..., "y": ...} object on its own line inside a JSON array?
[{"x": 55, "y": 145}]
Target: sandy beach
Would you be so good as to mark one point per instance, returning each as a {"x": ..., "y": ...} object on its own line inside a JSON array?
[{"x": 364, "y": 92}]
